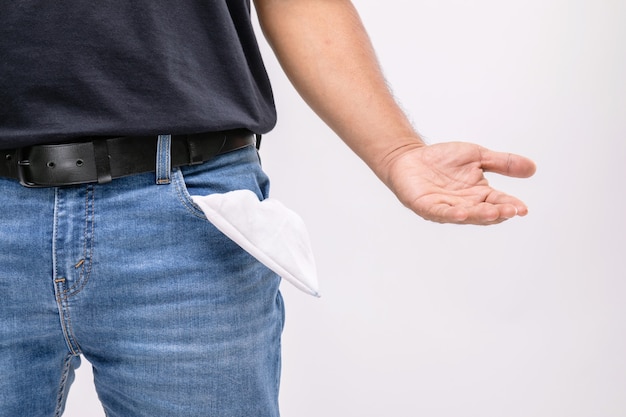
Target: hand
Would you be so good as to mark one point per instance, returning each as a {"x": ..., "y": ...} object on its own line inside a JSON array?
[{"x": 445, "y": 182}]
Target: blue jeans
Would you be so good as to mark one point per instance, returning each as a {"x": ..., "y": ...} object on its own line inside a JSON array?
[{"x": 175, "y": 318}]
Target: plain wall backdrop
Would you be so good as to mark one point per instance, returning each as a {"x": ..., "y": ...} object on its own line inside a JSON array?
[{"x": 527, "y": 318}]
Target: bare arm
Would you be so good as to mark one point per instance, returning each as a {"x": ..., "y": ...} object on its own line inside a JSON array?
[{"x": 327, "y": 55}]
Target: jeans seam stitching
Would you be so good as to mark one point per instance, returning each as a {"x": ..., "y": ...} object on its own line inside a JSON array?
[
  {"x": 62, "y": 386},
  {"x": 66, "y": 324},
  {"x": 184, "y": 197},
  {"x": 84, "y": 276}
]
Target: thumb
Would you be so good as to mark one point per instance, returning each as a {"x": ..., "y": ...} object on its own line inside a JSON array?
[{"x": 508, "y": 164}]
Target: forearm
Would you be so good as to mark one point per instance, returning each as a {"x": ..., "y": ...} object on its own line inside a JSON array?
[{"x": 327, "y": 55}]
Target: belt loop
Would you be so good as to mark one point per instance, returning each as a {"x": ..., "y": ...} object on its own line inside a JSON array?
[{"x": 163, "y": 159}]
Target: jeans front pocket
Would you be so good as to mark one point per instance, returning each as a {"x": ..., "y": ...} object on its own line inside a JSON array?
[{"x": 236, "y": 170}]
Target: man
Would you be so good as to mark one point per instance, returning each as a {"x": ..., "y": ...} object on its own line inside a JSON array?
[{"x": 114, "y": 114}]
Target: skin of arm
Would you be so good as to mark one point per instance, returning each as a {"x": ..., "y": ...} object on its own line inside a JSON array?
[{"x": 327, "y": 55}]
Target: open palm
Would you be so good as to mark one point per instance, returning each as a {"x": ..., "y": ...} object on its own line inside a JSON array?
[{"x": 445, "y": 182}]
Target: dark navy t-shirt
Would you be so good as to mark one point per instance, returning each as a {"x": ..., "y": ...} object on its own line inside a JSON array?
[{"x": 77, "y": 68}]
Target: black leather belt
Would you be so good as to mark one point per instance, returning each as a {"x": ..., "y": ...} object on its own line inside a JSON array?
[{"x": 103, "y": 159}]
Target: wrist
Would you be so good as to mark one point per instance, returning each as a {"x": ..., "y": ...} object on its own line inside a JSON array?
[{"x": 391, "y": 154}]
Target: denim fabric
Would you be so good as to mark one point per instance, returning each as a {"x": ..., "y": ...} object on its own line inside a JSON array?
[{"x": 175, "y": 318}]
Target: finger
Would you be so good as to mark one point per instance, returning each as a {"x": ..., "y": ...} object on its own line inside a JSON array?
[
  {"x": 495, "y": 207},
  {"x": 461, "y": 215},
  {"x": 508, "y": 205},
  {"x": 457, "y": 214},
  {"x": 479, "y": 214},
  {"x": 445, "y": 213},
  {"x": 440, "y": 208},
  {"x": 508, "y": 164},
  {"x": 487, "y": 214}
]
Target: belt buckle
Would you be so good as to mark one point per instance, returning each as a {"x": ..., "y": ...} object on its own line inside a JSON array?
[{"x": 22, "y": 165}]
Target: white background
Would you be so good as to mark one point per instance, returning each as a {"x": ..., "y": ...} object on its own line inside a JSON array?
[{"x": 527, "y": 318}]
